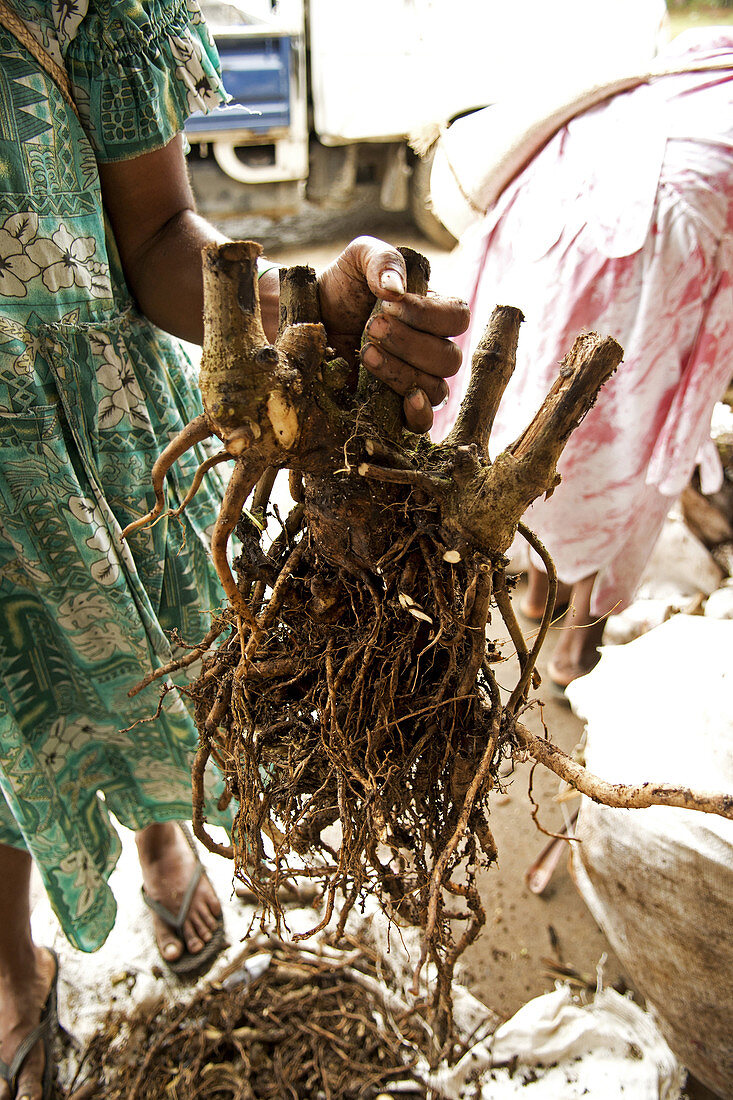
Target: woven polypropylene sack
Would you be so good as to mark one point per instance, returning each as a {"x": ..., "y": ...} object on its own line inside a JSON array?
[{"x": 660, "y": 881}]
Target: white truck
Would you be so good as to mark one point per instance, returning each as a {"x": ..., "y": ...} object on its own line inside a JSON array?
[{"x": 327, "y": 95}]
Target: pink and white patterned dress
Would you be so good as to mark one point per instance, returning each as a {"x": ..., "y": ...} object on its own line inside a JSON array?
[{"x": 623, "y": 225}]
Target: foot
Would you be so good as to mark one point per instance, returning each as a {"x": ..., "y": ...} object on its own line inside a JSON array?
[
  {"x": 24, "y": 988},
  {"x": 167, "y": 864},
  {"x": 535, "y": 598},
  {"x": 576, "y": 660},
  {"x": 577, "y": 653}
]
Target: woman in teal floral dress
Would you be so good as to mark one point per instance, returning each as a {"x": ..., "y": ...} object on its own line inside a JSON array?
[{"x": 99, "y": 252}]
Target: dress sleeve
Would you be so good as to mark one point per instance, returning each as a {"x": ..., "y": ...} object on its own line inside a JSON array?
[{"x": 139, "y": 68}]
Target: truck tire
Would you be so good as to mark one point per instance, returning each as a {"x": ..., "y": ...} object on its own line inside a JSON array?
[{"x": 420, "y": 208}]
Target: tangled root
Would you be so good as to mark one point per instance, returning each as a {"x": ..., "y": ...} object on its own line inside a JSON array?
[
  {"x": 350, "y": 702},
  {"x": 358, "y": 724},
  {"x": 307, "y": 1025}
]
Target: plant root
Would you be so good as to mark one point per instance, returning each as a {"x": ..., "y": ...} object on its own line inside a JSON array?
[
  {"x": 350, "y": 702},
  {"x": 310, "y": 1024}
]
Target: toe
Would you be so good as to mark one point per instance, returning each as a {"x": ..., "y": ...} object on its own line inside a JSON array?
[
  {"x": 194, "y": 943},
  {"x": 169, "y": 945},
  {"x": 30, "y": 1081},
  {"x": 202, "y": 918},
  {"x": 214, "y": 906},
  {"x": 200, "y": 926},
  {"x": 210, "y": 903},
  {"x": 209, "y": 916}
]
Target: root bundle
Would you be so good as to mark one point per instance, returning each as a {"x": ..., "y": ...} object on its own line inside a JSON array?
[{"x": 348, "y": 694}]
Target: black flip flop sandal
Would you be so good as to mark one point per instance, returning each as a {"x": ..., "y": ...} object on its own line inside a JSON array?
[
  {"x": 189, "y": 966},
  {"x": 44, "y": 1032}
]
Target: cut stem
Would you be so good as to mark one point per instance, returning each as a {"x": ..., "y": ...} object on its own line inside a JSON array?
[{"x": 492, "y": 366}]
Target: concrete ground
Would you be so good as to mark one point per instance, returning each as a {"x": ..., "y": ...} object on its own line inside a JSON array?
[{"x": 526, "y": 932}]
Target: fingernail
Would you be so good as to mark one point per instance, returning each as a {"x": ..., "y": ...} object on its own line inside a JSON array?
[
  {"x": 378, "y": 327},
  {"x": 395, "y": 309},
  {"x": 417, "y": 399},
  {"x": 392, "y": 281},
  {"x": 371, "y": 356}
]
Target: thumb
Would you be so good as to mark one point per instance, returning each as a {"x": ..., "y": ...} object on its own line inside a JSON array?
[
  {"x": 391, "y": 281},
  {"x": 383, "y": 268}
]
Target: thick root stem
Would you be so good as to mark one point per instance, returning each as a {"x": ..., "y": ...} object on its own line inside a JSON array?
[
  {"x": 620, "y": 795},
  {"x": 242, "y": 482},
  {"x": 199, "y": 476}
]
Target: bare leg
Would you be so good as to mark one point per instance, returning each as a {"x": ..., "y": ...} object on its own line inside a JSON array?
[
  {"x": 26, "y": 972},
  {"x": 167, "y": 864},
  {"x": 576, "y": 653},
  {"x": 533, "y": 604}
]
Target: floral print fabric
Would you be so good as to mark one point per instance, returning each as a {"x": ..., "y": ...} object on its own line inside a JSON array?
[
  {"x": 60, "y": 261},
  {"x": 137, "y": 69},
  {"x": 90, "y": 393}
]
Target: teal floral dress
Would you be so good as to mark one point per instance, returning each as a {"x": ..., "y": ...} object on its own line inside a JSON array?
[{"x": 90, "y": 393}]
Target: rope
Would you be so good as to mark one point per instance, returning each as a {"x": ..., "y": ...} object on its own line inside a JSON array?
[{"x": 13, "y": 23}]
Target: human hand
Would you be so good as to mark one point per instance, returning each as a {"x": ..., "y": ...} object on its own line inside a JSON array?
[{"x": 408, "y": 343}]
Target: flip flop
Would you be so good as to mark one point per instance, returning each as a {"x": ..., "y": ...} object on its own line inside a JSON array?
[
  {"x": 539, "y": 874},
  {"x": 44, "y": 1032},
  {"x": 189, "y": 966}
]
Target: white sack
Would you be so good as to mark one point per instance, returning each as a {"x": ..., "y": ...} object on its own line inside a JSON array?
[
  {"x": 680, "y": 571},
  {"x": 554, "y": 1047},
  {"x": 660, "y": 881},
  {"x": 680, "y": 566},
  {"x": 720, "y": 604}
]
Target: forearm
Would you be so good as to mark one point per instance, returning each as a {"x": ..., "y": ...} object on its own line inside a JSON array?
[
  {"x": 165, "y": 276},
  {"x": 167, "y": 282},
  {"x": 160, "y": 238}
]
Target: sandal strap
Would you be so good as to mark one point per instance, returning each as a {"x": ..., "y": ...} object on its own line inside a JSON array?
[
  {"x": 174, "y": 921},
  {"x": 9, "y": 1071}
]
